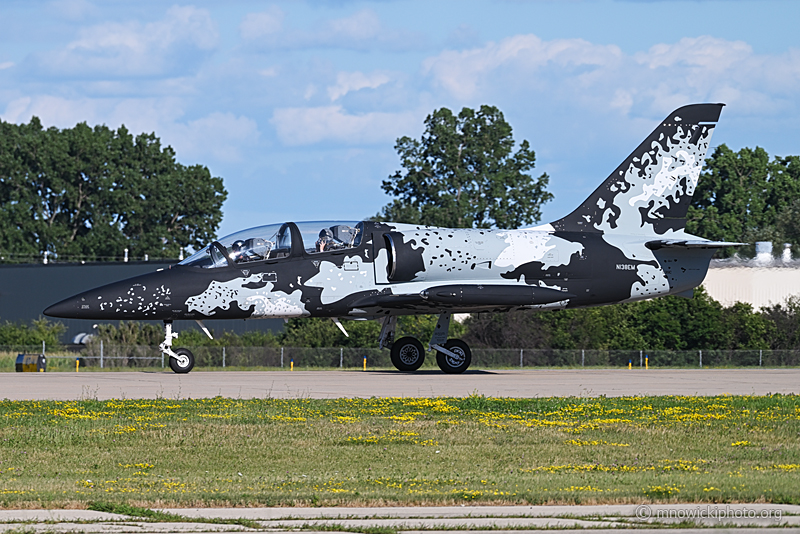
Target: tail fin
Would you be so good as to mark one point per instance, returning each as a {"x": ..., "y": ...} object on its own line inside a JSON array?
[{"x": 650, "y": 192}]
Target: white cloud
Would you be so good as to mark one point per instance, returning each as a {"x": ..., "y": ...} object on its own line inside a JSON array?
[
  {"x": 355, "y": 81},
  {"x": 222, "y": 136},
  {"x": 166, "y": 46},
  {"x": 462, "y": 73},
  {"x": 137, "y": 114},
  {"x": 363, "y": 30},
  {"x": 305, "y": 126},
  {"x": 6, "y": 65},
  {"x": 259, "y": 25},
  {"x": 705, "y": 52},
  {"x": 707, "y": 68},
  {"x": 602, "y": 76}
]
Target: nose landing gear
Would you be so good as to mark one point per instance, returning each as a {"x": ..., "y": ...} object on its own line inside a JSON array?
[{"x": 181, "y": 360}]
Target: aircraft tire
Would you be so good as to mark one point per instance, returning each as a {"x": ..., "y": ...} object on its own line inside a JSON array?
[
  {"x": 408, "y": 354},
  {"x": 453, "y": 366},
  {"x": 184, "y": 363}
]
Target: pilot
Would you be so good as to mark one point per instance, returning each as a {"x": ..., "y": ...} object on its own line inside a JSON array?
[
  {"x": 325, "y": 241},
  {"x": 238, "y": 252}
]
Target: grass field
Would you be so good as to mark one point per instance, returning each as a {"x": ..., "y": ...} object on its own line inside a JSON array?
[{"x": 220, "y": 451}]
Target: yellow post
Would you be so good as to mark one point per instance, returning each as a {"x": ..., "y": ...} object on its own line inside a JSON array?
[
  {"x": 365, "y": 362},
  {"x": 77, "y": 364},
  {"x": 646, "y": 358},
  {"x": 630, "y": 364},
  {"x": 291, "y": 364}
]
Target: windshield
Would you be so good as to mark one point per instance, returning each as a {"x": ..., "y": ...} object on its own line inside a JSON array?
[{"x": 254, "y": 244}]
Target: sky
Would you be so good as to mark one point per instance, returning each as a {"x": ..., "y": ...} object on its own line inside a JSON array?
[{"x": 297, "y": 104}]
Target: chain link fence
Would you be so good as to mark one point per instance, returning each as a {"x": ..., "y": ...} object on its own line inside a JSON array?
[{"x": 131, "y": 356}]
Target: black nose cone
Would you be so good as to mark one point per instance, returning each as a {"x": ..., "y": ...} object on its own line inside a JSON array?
[{"x": 66, "y": 309}]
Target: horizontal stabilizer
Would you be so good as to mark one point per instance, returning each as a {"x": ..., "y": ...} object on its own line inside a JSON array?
[{"x": 689, "y": 243}]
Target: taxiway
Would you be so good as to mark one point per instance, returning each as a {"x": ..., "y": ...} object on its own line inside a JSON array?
[{"x": 337, "y": 384}]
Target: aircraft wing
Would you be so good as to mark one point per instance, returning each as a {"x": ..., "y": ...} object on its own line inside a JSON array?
[
  {"x": 465, "y": 295},
  {"x": 689, "y": 243}
]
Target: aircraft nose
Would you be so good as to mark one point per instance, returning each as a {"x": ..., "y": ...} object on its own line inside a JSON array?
[
  {"x": 72, "y": 308},
  {"x": 64, "y": 309},
  {"x": 147, "y": 296}
]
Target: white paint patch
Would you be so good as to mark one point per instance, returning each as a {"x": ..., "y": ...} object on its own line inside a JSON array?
[
  {"x": 653, "y": 284},
  {"x": 526, "y": 246},
  {"x": 336, "y": 283},
  {"x": 222, "y": 295}
]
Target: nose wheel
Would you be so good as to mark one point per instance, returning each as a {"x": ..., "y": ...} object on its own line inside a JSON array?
[{"x": 182, "y": 362}]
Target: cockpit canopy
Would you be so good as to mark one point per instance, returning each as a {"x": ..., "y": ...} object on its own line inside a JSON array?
[{"x": 274, "y": 241}]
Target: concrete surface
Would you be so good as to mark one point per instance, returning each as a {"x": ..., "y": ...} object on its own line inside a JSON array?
[
  {"x": 404, "y": 512},
  {"x": 58, "y": 515},
  {"x": 409, "y": 520},
  {"x": 333, "y": 384}
]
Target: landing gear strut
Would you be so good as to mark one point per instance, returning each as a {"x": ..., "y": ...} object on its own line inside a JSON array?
[
  {"x": 181, "y": 360},
  {"x": 452, "y": 355}
]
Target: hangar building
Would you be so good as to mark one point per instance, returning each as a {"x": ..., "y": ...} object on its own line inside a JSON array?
[{"x": 761, "y": 281}]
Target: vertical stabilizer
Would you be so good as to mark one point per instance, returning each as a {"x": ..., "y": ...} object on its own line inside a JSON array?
[{"x": 650, "y": 192}]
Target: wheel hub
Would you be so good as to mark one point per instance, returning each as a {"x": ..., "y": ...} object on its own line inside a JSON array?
[
  {"x": 409, "y": 355},
  {"x": 461, "y": 356}
]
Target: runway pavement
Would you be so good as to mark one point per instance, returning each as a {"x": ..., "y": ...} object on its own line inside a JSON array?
[
  {"x": 744, "y": 518},
  {"x": 335, "y": 384}
]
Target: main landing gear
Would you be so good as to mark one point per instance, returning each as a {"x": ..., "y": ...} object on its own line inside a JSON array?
[
  {"x": 452, "y": 355},
  {"x": 181, "y": 361}
]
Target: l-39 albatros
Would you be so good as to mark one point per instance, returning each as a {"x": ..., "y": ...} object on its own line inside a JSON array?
[{"x": 626, "y": 242}]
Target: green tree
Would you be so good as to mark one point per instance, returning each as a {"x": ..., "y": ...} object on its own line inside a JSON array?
[
  {"x": 17, "y": 334},
  {"x": 319, "y": 332},
  {"x": 743, "y": 196},
  {"x": 666, "y": 323},
  {"x": 90, "y": 193},
  {"x": 463, "y": 173},
  {"x": 783, "y": 322}
]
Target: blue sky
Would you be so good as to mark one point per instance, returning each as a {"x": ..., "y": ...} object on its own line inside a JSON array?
[{"x": 297, "y": 104}]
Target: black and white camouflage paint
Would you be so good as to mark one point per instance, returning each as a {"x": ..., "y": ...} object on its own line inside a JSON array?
[{"x": 625, "y": 242}]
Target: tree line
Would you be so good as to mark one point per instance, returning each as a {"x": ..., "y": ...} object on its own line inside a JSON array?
[
  {"x": 665, "y": 323},
  {"x": 746, "y": 197},
  {"x": 87, "y": 193}
]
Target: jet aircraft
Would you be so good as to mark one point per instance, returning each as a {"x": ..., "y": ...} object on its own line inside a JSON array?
[{"x": 624, "y": 243}]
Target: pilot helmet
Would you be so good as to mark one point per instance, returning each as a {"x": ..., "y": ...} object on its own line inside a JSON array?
[{"x": 238, "y": 245}]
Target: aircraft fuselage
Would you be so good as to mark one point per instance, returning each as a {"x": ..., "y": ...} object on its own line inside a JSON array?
[{"x": 392, "y": 262}]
